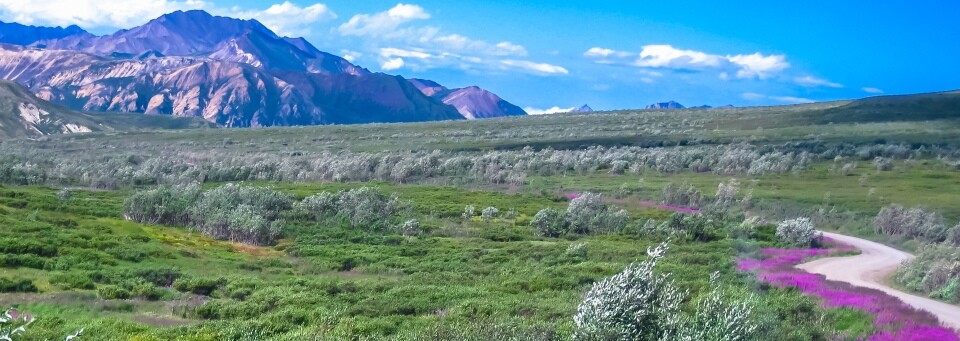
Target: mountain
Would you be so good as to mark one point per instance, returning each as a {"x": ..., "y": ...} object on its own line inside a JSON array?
[
  {"x": 236, "y": 73},
  {"x": 24, "y": 115},
  {"x": 179, "y": 33},
  {"x": 701, "y": 107},
  {"x": 14, "y": 33},
  {"x": 666, "y": 105},
  {"x": 584, "y": 108},
  {"x": 471, "y": 102}
]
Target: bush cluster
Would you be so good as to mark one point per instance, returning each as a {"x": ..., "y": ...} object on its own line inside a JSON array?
[
  {"x": 366, "y": 207},
  {"x": 232, "y": 212},
  {"x": 586, "y": 214},
  {"x": 917, "y": 222}
]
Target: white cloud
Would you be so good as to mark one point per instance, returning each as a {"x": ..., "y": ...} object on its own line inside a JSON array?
[
  {"x": 759, "y": 66},
  {"x": 287, "y": 19},
  {"x": 392, "y": 64},
  {"x": 395, "y": 52},
  {"x": 535, "y": 67},
  {"x": 753, "y": 96},
  {"x": 92, "y": 13},
  {"x": 872, "y": 90},
  {"x": 393, "y": 34},
  {"x": 554, "y": 110},
  {"x": 810, "y": 81},
  {"x": 755, "y": 65},
  {"x": 666, "y": 56},
  {"x": 599, "y": 52},
  {"x": 350, "y": 56},
  {"x": 383, "y": 23}
]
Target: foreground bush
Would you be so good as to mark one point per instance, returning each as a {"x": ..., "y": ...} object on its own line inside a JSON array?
[
  {"x": 798, "y": 232},
  {"x": 639, "y": 304}
]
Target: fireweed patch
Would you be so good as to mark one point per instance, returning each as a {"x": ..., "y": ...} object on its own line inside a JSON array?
[{"x": 894, "y": 319}]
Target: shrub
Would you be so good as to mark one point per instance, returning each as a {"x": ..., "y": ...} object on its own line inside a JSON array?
[
  {"x": 489, "y": 213},
  {"x": 883, "y": 164},
  {"x": 198, "y": 285},
  {"x": 798, "y": 232},
  {"x": 682, "y": 195},
  {"x": 113, "y": 292},
  {"x": 577, "y": 250},
  {"x": 72, "y": 280},
  {"x": 360, "y": 207},
  {"x": 915, "y": 222},
  {"x": 586, "y": 213},
  {"x": 366, "y": 206},
  {"x": 168, "y": 205},
  {"x": 64, "y": 195},
  {"x": 727, "y": 194},
  {"x": 320, "y": 205},
  {"x": 635, "y": 304},
  {"x": 411, "y": 228},
  {"x": 639, "y": 304},
  {"x": 468, "y": 212},
  {"x": 550, "y": 222},
  {"x": 229, "y": 212},
  {"x": 17, "y": 285}
]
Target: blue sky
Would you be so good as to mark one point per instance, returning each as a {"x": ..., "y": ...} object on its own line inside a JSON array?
[{"x": 609, "y": 54}]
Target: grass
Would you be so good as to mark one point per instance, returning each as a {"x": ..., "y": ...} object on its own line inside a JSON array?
[{"x": 352, "y": 282}]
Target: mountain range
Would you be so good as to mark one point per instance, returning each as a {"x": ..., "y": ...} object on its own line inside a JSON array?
[{"x": 232, "y": 72}]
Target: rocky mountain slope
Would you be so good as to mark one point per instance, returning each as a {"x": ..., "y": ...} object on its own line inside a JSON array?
[
  {"x": 236, "y": 73},
  {"x": 24, "y": 115},
  {"x": 472, "y": 102}
]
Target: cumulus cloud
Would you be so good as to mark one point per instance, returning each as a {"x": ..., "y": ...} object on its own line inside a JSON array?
[
  {"x": 753, "y": 96},
  {"x": 810, "y": 81},
  {"x": 392, "y": 64},
  {"x": 872, "y": 90},
  {"x": 553, "y": 110},
  {"x": 666, "y": 56},
  {"x": 287, "y": 19},
  {"x": 383, "y": 23},
  {"x": 92, "y": 13},
  {"x": 394, "y": 34},
  {"x": 756, "y": 65}
]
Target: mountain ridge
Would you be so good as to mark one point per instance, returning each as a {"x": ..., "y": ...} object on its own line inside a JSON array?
[{"x": 233, "y": 72}]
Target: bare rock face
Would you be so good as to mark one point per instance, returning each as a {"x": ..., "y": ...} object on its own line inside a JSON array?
[
  {"x": 471, "y": 102},
  {"x": 236, "y": 73}
]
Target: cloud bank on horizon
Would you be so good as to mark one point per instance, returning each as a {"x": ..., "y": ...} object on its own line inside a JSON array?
[{"x": 516, "y": 58}]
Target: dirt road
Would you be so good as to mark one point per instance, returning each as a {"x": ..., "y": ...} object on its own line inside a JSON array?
[{"x": 871, "y": 268}]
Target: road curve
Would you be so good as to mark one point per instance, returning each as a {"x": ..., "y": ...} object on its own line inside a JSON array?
[{"x": 870, "y": 269}]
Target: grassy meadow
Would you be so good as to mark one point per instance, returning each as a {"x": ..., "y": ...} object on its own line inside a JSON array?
[{"x": 434, "y": 269}]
